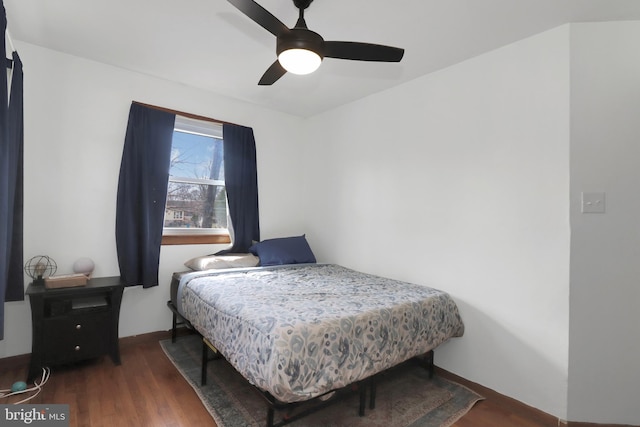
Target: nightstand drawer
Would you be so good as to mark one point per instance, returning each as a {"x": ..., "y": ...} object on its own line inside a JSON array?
[{"x": 76, "y": 337}]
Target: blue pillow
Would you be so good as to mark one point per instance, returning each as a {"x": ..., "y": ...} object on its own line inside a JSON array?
[{"x": 285, "y": 250}]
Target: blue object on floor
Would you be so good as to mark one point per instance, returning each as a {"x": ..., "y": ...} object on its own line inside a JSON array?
[{"x": 18, "y": 386}]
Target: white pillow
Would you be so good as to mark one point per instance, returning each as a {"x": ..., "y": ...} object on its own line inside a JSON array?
[{"x": 209, "y": 262}]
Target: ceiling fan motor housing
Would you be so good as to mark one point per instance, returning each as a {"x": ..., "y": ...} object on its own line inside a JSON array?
[
  {"x": 299, "y": 38},
  {"x": 302, "y": 4}
]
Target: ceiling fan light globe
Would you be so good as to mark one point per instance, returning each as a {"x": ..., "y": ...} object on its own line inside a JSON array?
[{"x": 299, "y": 61}]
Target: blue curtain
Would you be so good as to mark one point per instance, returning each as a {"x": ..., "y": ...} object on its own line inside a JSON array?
[
  {"x": 241, "y": 182},
  {"x": 142, "y": 194},
  {"x": 15, "y": 285},
  {"x": 11, "y": 288}
]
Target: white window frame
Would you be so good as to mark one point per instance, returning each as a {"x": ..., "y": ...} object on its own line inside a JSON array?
[{"x": 208, "y": 129}]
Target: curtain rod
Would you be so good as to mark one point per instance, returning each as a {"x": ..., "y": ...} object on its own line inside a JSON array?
[{"x": 189, "y": 115}]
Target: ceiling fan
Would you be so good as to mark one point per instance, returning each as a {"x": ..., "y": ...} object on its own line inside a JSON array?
[{"x": 300, "y": 50}]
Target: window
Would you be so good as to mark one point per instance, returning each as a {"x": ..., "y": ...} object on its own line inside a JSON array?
[{"x": 196, "y": 208}]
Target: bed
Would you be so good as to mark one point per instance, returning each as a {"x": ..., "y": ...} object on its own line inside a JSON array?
[{"x": 300, "y": 331}]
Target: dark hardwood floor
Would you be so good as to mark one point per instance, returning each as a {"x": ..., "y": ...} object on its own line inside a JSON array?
[{"x": 146, "y": 390}]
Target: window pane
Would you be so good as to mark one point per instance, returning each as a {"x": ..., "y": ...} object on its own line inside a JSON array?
[
  {"x": 191, "y": 203},
  {"x": 196, "y": 156},
  {"x": 195, "y": 206}
]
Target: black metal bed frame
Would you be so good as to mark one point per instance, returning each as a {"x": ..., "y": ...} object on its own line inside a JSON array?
[{"x": 274, "y": 404}]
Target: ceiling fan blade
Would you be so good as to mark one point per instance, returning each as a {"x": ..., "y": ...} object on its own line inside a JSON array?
[
  {"x": 261, "y": 16},
  {"x": 272, "y": 74},
  {"x": 363, "y": 51}
]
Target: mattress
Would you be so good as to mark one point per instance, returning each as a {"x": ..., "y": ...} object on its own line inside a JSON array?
[{"x": 299, "y": 331}]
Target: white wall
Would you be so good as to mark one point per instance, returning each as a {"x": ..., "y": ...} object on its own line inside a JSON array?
[
  {"x": 460, "y": 180},
  {"x": 604, "y": 379},
  {"x": 75, "y": 114}
]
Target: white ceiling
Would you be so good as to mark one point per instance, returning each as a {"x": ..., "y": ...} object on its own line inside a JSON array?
[{"x": 211, "y": 45}]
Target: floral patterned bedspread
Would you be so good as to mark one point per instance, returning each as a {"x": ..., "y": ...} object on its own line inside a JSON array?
[{"x": 299, "y": 331}]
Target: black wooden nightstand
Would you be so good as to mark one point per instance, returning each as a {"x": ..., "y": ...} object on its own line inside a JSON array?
[{"x": 73, "y": 324}]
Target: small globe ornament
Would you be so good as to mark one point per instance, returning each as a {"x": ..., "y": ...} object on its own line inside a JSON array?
[
  {"x": 39, "y": 267},
  {"x": 84, "y": 266}
]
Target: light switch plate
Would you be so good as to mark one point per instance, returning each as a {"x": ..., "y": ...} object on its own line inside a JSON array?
[{"x": 593, "y": 203}]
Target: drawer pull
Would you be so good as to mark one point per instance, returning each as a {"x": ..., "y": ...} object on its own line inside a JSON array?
[
  {"x": 78, "y": 326},
  {"x": 77, "y": 348}
]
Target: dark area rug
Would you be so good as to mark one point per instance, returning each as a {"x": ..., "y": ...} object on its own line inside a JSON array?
[{"x": 405, "y": 396}]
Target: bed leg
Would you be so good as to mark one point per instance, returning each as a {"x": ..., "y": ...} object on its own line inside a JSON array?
[
  {"x": 363, "y": 397},
  {"x": 205, "y": 361},
  {"x": 270, "y": 416},
  {"x": 174, "y": 328},
  {"x": 430, "y": 365},
  {"x": 372, "y": 397}
]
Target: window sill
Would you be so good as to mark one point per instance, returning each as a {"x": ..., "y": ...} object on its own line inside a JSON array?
[{"x": 196, "y": 239}]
